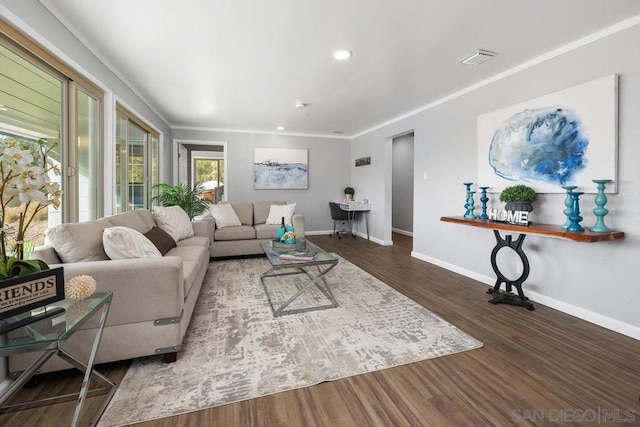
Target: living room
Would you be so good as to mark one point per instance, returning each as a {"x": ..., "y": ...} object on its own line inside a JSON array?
[{"x": 590, "y": 282}]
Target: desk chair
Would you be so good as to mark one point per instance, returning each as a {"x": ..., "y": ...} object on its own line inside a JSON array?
[{"x": 338, "y": 214}]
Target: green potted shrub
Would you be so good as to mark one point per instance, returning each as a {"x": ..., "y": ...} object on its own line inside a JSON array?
[
  {"x": 518, "y": 198},
  {"x": 349, "y": 192},
  {"x": 189, "y": 199}
]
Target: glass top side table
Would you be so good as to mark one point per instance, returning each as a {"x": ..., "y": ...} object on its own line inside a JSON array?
[{"x": 47, "y": 336}]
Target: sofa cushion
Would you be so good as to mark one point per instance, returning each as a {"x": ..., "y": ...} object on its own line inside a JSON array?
[
  {"x": 160, "y": 239},
  {"x": 200, "y": 241},
  {"x": 126, "y": 243},
  {"x": 277, "y": 212},
  {"x": 79, "y": 241},
  {"x": 224, "y": 215},
  {"x": 129, "y": 219},
  {"x": 194, "y": 259},
  {"x": 175, "y": 221},
  {"x": 266, "y": 231},
  {"x": 261, "y": 210},
  {"x": 244, "y": 211},
  {"x": 244, "y": 232}
]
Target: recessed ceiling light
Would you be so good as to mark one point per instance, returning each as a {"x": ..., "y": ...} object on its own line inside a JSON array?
[
  {"x": 342, "y": 55},
  {"x": 477, "y": 57},
  {"x": 337, "y": 131},
  {"x": 280, "y": 128},
  {"x": 299, "y": 104}
]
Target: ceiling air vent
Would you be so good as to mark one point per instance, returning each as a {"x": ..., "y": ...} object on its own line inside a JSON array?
[{"x": 477, "y": 57}]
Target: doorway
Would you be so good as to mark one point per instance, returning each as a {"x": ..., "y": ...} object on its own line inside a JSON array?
[
  {"x": 402, "y": 155},
  {"x": 203, "y": 163}
]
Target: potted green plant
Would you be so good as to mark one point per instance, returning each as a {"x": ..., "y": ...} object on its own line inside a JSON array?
[
  {"x": 349, "y": 192},
  {"x": 518, "y": 198},
  {"x": 189, "y": 199}
]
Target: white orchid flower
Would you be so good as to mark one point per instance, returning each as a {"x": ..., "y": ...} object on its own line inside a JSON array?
[
  {"x": 17, "y": 156},
  {"x": 32, "y": 176}
]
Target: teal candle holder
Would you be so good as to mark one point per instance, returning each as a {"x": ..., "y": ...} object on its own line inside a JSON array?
[
  {"x": 469, "y": 204},
  {"x": 568, "y": 203},
  {"x": 484, "y": 199},
  {"x": 574, "y": 217},
  {"x": 600, "y": 211}
]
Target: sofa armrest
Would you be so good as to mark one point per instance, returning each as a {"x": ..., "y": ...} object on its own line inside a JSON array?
[
  {"x": 143, "y": 288},
  {"x": 46, "y": 254},
  {"x": 211, "y": 222},
  {"x": 201, "y": 228},
  {"x": 298, "y": 224}
]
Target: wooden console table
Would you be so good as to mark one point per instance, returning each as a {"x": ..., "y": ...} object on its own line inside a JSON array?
[{"x": 544, "y": 230}]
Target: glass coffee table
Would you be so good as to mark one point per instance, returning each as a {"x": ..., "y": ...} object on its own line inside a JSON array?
[{"x": 308, "y": 291}]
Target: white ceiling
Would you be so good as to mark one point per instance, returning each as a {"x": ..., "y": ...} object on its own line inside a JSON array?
[{"x": 242, "y": 64}]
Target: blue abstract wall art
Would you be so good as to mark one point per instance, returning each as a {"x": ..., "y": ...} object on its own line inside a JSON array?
[
  {"x": 542, "y": 144},
  {"x": 567, "y": 137},
  {"x": 280, "y": 168}
]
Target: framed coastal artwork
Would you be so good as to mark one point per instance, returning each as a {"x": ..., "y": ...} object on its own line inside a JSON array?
[
  {"x": 569, "y": 137},
  {"x": 280, "y": 168}
]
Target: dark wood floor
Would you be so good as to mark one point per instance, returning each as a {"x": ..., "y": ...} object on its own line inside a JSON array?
[{"x": 537, "y": 367}]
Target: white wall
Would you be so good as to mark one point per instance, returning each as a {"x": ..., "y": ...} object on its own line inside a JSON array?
[
  {"x": 596, "y": 281},
  {"x": 328, "y": 171}
]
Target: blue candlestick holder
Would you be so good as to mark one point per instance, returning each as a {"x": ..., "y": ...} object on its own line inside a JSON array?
[
  {"x": 568, "y": 203},
  {"x": 484, "y": 199},
  {"x": 600, "y": 211},
  {"x": 574, "y": 217},
  {"x": 470, "y": 206},
  {"x": 466, "y": 199}
]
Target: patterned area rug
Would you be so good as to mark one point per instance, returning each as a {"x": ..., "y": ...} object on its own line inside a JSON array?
[{"x": 235, "y": 349}]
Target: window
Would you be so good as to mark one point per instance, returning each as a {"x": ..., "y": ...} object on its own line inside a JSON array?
[
  {"x": 43, "y": 100},
  {"x": 209, "y": 173},
  {"x": 137, "y": 159}
]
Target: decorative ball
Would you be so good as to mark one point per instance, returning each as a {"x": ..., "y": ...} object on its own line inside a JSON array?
[{"x": 80, "y": 287}]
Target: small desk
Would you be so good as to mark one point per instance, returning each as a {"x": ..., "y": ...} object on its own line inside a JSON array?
[
  {"x": 351, "y": 209},
  {"x": 47, "y": 337},
  {"x": 544, "y": 230}
]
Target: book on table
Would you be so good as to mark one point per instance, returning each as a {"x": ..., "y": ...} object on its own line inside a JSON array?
[{"x": 298, "y": 256}]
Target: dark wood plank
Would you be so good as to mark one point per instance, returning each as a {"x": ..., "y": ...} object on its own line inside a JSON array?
[
  {"x": 541, "y": 360},
  {"x": 546, "y": 230}
]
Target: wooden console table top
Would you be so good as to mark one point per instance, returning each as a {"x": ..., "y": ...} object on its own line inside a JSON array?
[{"x": 545, "y": 230}]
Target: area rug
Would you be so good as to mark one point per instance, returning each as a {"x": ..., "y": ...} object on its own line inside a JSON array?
[{"x": 235, "y": 349}]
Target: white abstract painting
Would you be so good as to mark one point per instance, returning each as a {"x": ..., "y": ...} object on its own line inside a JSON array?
[
  {"x": 280, "y": 168},
  {"x": 568, "y": 137}
]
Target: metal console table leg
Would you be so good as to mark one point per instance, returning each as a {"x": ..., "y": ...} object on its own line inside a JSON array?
[{"x": 506, "y": 297}]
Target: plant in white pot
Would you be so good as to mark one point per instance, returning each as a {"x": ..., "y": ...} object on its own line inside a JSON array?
[{"x": 349, "y": 192}]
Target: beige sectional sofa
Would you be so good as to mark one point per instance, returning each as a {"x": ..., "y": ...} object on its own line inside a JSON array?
[
  {"x": 246, "y": 238},
  {"x": 153, "y": 298}
]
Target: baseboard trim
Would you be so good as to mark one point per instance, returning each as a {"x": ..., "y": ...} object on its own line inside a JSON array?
[
  {"x": 405, "y": 232},
  {"x": 573, "y": 310}
]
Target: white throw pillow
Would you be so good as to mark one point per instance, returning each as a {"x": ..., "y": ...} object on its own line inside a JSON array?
[
  {"x": 125, "y": 243},
  {"x": 175, "y": 221},
  {"x": 224, "y": 215},
  {"x": 276, "y": 212}
]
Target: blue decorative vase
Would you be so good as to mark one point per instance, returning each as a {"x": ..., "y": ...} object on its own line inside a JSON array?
[
  {"x": 289, "y": 228},
  {"x": 280, "y": 232},
  {"x": 575, "y": 218},
  {"x": 568, "y": 203},
  {"x": 484, "y": 199},
  {"x": 600, "y": 211}
]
